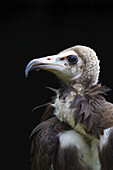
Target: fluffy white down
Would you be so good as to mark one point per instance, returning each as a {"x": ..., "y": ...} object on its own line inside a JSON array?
[
  {"x": 62, "y": 111},
  {"x": 87, "y": 154},
  {"x": 104, "y": 138}
]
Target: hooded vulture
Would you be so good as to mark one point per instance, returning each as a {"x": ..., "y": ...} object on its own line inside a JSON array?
[{"x": 76, "y": 131}]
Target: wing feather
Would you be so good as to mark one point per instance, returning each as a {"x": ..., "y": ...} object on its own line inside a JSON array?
[
  {"x": 106, "y": 153},
  {"x": 45, "y": 144}
]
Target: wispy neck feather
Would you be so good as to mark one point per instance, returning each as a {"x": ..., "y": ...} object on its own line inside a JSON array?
[{"x": 83, "y": 106}]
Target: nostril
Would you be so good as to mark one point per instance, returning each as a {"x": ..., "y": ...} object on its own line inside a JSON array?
[
  {"x": 63, "y": 58},
  {"x": 48, "y": 58}
]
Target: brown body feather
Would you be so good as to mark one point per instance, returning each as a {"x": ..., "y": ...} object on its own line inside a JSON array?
[
  {"x": 106, "y": 154},
  {"x": 45, "y": 144}
]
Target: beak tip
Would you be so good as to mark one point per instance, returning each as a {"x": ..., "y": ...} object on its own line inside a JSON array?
[
  {"x": 29, "y": 68},
  {"x": 26, "y": 72},
  {"x": 26, "y": 76}
]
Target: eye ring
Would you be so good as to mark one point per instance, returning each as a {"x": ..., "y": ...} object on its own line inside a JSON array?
[{"x": 72, "y": 59}]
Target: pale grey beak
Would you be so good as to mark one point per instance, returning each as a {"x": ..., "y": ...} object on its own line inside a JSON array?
[{"x": 49, "y": 63}]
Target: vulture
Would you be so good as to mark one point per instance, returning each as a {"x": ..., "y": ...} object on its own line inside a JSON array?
[{"x": 76, "y": 129}]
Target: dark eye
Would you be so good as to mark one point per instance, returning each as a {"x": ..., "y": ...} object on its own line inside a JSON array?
[{"x": 72, "y": 59}]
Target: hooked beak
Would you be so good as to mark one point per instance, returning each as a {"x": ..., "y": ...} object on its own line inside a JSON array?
[{"x": 50, "y": 63}]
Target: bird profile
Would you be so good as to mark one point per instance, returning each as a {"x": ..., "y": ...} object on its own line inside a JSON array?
[{"x": 76, "y": 130}]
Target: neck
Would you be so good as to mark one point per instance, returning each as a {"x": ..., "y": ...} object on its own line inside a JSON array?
[
  {"x": 76, "y": 105},
  {"x": 65, "y": 96},
  {"x": 79, "y": 88}
]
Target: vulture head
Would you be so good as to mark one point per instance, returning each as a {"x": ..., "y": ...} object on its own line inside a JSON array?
[
  {"x": 78, "y": 68},
  {"x": 78, "y": 64}
]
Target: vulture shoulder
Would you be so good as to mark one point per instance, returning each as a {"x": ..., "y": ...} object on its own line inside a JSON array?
[{"x": 45, "y": 144}]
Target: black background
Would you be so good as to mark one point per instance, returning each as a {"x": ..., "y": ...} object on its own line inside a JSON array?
[{"x": 31, "y": 29}]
